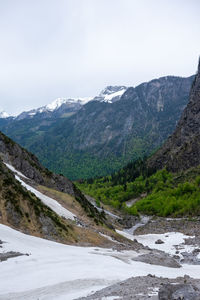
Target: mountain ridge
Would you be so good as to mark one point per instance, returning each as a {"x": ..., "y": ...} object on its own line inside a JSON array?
[
  {"x": 102, "y": 137},
  {"x": 63, "y": 105}
]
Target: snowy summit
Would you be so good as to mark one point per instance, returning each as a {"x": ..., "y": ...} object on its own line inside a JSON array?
[
  {"x": 63, "y": 105},
  {"x": 111, "y": 94},
  {"x": 60, "y": 101},
  {"x": 4, "y": 115}
]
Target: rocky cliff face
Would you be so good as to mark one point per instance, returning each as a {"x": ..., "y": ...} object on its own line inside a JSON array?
[{"x": 182, "y": 150}]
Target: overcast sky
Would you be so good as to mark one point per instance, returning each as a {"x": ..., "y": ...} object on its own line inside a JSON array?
[{"x": 72, "y": 48}]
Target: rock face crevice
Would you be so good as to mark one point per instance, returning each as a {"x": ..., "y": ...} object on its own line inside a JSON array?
[{"x": 182, "y": 149}]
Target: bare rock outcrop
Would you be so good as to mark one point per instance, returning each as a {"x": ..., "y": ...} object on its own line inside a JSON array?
[{"x": 182, "y": 150}]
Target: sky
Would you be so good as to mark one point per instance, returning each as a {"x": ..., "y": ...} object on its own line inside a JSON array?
[{"x": 75, "y": 48}]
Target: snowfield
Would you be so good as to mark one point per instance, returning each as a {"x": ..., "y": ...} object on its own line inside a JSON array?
[
  {"x": 58, "y": 271},
  {"x": 53, "y": 204}
]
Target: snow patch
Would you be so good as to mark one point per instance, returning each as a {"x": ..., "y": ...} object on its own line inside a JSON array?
[
  {"x": 15, "y": 171},
  {"x": 111, "y": 96},
  {"x": 110, "y": 93},
  {"x": 60, "y": 101},
  {"x": 53, "y": 204},
  {"x": 4, "y": 115},
  {"x": 173, "y": 241}
]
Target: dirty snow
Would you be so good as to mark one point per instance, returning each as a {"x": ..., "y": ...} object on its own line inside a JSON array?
[{"x": 173, "y": 241}]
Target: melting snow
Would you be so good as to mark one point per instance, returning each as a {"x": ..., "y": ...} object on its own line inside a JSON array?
[
  {"x": 15, "y": 171},
  {"x": 53, "y": 204},
  {"x": 173, "y": 241},
  {"x": 57, "y": 271}
]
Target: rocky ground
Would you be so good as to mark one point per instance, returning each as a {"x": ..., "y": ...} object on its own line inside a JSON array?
[
  {"x": 10, "y": 254},
  {"x": 188, "y": 226},
  {"x": 150, "y": 287}
]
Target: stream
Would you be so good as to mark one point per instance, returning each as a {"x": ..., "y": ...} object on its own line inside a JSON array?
[{"x": 143, "y": 221}]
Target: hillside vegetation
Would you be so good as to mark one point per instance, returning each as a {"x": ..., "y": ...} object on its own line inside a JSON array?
[
  {"x": 23, "y": 210},
  {"x": 162, "y": 193}
]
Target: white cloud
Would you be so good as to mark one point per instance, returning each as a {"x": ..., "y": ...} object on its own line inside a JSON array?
[{"x": 75, "y": 47}]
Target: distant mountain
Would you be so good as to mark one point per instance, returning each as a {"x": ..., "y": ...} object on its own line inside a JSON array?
[
  {"x": 64, "y": 107},
  {"x": 4, "y": 115},
  {"x": 58, "y": 108},
  {"x": 118, "y": 126},
  {"x": 182, "y": 149}
]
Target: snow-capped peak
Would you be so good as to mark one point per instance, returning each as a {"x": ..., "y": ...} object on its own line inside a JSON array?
[
  {"x": 55, "y": 104},
  {"x": 112, "y": 93},
  {"x": 4, "y": 115},
  {"x": 60, "y": 101},
  {"x": 72, "y": 104},
  {"x": 64, "y": 105}
]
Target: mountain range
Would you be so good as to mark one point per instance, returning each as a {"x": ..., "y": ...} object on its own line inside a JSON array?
[
  {"x": 97, "y": 138},
  {"x": 63, "y": 107}
]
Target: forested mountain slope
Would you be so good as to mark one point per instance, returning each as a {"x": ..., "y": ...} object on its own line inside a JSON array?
[{"x": 102, "y": 137}]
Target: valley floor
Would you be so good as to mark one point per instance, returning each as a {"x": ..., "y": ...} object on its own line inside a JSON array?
[{"x": 159, "y": 251}]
